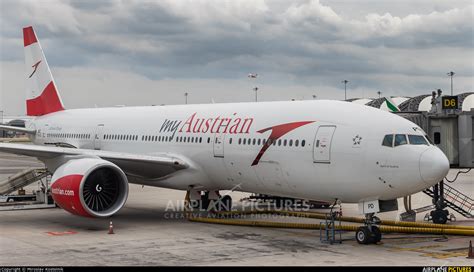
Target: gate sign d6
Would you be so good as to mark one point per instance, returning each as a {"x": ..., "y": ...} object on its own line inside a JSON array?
[{"x": 449, "y": 102}]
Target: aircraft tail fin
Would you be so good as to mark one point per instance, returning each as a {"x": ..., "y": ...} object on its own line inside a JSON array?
[
  {"x": 42, "y": 96},
  {"x": 391, "y": 105}
]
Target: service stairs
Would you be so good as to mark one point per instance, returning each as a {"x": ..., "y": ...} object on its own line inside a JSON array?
[
  {"x": 456, "y": 200},
  {"x": 22, "y": 179}
]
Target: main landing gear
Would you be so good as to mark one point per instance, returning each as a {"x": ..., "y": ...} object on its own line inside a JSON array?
[
  {"x": 370, "y": 233},
  {"x": 207, "y": 201}
]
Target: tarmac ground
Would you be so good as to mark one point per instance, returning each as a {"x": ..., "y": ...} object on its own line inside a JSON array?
[{"x": 151, "y": 230}]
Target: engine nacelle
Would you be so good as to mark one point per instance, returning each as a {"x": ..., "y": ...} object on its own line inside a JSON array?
[{"x": 89, "y": 187}]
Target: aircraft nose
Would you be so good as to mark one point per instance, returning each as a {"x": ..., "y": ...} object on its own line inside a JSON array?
[{"x": 434, "y": 165}]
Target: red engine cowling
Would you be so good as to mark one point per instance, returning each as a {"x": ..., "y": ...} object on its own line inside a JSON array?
[{"x": 90, "y": 187}]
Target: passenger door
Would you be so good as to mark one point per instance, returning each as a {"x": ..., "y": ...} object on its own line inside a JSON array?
[{"x": 322, "y": 144}]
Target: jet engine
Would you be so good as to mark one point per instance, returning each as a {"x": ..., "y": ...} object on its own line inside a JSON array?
[{"x": 89, "y": 187}]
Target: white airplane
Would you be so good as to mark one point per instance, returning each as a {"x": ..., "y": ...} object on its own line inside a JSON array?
[
  {"x": 316, "y": 150},
  {"x": 252, "y": 75}
]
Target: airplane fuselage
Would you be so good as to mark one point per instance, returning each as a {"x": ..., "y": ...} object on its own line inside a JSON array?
[{"x": 319, "y": 150}]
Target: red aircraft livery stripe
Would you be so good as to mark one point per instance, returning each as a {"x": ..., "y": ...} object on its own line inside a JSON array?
[
  {"x": 65, "y": 192},
  {"x": 29, "y": 36},
  {"x": 47, "y": 102},
  {"x": 277, "y": 132}
]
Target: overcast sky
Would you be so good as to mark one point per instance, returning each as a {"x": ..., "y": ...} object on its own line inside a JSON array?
[{"x": 105, "y": 53}]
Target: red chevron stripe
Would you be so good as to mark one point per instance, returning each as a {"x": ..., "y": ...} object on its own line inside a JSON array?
[
  {"x": 29, "y": 36},
  {"x": 277, "y": 132},
  {"x": 47, "y": 102}
]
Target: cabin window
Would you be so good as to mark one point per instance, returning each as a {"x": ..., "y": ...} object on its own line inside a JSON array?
[
  {"x": 254, "y": 141},
  {"x": 388, "y": 140},
  {"x": 303, "y": 143},
  {"x": 400, "y": 139},
  {"x": 291, "y": 143},
  {"x": 240, "y": 141},
  {"x": 417, "y": 140},
  {"x": 284, "y": 142},
  {"x": 230, "y": 141},
  {"x": 297, "y": 143}
]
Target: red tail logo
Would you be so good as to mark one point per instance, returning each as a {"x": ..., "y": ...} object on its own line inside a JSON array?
[
  {"x": 36, "y": 67},
  {"x": 277, "y": 132}
]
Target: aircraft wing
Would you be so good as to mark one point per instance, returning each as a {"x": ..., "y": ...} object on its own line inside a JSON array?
[
  {"x": 143, "y": 166},
  {"x": 18, "y": 129}
]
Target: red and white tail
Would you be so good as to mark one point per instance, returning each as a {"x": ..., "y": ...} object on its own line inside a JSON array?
[{"x": 42, "y": 96}]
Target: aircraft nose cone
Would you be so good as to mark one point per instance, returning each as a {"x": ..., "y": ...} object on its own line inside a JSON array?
[{"x": 434, "y": 165}]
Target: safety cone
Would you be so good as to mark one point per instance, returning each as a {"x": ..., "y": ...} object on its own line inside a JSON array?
[
  {"x": 470, "y": 253},
  {"x": 111, "y": 228}
]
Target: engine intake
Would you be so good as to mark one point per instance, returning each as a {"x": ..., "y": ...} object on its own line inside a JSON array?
[{"x": 90, "y": 187}]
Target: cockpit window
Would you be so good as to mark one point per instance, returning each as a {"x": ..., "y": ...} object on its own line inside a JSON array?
[
  {"x": 400, "y": 139},
  {"x": 417, "y": 140},
  {"x": 388, "y": 140}
]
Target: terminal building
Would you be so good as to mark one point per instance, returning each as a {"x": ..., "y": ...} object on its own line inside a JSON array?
[{"x": 449, "y": 123}]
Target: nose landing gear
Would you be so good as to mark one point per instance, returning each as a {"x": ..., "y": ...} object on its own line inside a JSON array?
[{"x": 370, "y": 233}]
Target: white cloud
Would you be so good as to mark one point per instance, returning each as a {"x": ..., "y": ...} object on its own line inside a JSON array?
[{"x": 163, "y": 48}]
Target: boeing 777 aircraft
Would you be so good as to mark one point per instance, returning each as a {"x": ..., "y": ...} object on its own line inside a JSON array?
[{"x": 317, "y": 150}]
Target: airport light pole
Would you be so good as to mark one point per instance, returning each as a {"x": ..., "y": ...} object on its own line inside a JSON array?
[
  {"x": 379, "y": 93},
  {"x": 451, "y": 74},
  {"x": 345, "y": 88},
  {"x": 254, "y": 76},
  {"x": 186, "y": 98},
  {"x": 256, "y": 91}
]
